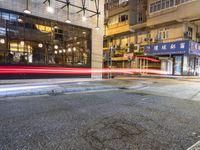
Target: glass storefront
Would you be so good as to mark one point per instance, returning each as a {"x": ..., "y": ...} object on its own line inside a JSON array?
[
  {"x": 30, "y": 40},
  {"x": 178, "y": 65}
]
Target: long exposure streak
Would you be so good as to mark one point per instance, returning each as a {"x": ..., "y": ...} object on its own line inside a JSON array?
[{"x": 60, "y": 70}]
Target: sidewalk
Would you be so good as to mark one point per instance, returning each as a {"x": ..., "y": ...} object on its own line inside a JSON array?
[
  {"x": 10, "y": 88},
  {"x": 159, "y": 76},
  {"x": 48, "y": 86}
]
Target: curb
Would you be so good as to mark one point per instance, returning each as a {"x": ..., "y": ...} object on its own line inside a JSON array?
[
  {"x": 53, "y": 91},
  {"x": 162, "y": 77}
]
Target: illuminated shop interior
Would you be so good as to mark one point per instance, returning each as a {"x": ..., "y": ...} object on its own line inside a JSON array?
[{"x": 30, "y": 40}]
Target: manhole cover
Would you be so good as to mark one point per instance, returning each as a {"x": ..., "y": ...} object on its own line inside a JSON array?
[{"x": 112, "y": 134}]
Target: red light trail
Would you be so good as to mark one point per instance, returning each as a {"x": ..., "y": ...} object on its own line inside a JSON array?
[{"x": 75, "y": 71}]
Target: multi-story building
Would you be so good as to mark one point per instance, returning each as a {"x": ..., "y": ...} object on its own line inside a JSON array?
[
  {"x": 126, "y": 34},
  {"x": 174, "y": 30},
  {"x": 51, "y": 33}
]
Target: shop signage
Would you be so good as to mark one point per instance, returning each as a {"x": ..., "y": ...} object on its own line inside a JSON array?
[
  {"x": 179, "y": 47},
  {"x": 194, "y": 48}
]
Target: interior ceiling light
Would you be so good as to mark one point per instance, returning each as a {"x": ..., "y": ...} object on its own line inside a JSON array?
[
  {"x": 84, "y": 18},
  {"x": 19, "y": 19},
  {"x": 97, "y": 28},
  {"x": 69, "y": 50},
  {"x": 74, "y": 49},
  {"x": 56, "y": 46},
  {"x": 68, "y": 4},
  {"x": 49, "y": 8},
  {"x": 82, "y": 9},
  {"x": 68, "y": 21},
  {"x": 98, "y": 13},
  {"x": 2, "y": 41},
  {"x": 27, "y": 11},
  {"x": 22, "y": 43},
  {"x": 40, "y": 45},
  {"x": 55, "y": 26}
]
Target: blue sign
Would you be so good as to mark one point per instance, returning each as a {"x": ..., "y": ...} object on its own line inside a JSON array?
[
  {"x": 179, "y": 47},
  {"x": 194, "y": 48}
]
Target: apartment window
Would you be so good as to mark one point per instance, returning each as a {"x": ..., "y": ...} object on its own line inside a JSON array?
[
  {"x": 163, "y": 34},
  {"x": 190, "y": 31},
  {"x": 123, "y": 18},
  {"x": 140, "y": 17},
  {"x": 181, "y": 1},
  {"x": 161, "y": 4}
]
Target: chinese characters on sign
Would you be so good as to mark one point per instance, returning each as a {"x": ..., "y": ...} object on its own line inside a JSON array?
[{"x": 179, "y": 47}]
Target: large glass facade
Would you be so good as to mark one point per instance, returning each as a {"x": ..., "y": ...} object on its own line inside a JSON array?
[{"x": 30, "y": 40}]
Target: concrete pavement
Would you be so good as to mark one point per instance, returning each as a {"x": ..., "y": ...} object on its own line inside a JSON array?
[
  {"x": 113, "y": 120},
  {"x": 183, "y": 88}
]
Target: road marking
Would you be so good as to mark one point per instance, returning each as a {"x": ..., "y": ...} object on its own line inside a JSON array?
[{"x": 193, "y": 146}]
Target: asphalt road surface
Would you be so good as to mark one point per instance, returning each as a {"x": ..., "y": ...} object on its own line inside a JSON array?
[{"x": 110, "y": 120}]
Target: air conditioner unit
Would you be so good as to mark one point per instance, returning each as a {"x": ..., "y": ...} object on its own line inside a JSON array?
[
  {"x": 187, "y": 34},
  {"x": 136, "y": 48},
  {"x": 148, "y": 39}
]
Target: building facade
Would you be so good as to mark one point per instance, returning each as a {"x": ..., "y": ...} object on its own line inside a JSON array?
[
  {"x": 174, "y": 32},
  {"x": 136, "y": 30},
  {"x": 42, "y": 38},
  {"x": 126, "y": 34}
]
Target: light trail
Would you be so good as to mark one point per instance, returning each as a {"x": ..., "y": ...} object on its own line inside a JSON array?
[{"x": 74, "y": 71}]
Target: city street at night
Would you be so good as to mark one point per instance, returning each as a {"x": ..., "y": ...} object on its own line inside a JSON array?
[
  {"x": 134, "y": 115},
  {"x": 99, "y": 75}
]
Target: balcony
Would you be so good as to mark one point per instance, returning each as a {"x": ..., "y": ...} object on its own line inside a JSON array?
[
  {"x": 118, "y": 28},
  {"x": 118, "y": 9}
]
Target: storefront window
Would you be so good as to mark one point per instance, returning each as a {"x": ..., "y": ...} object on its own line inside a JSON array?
[{"x": 31, "y": 40}]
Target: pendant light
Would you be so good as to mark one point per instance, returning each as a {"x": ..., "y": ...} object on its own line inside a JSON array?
[{"x": 27, "y": 11}]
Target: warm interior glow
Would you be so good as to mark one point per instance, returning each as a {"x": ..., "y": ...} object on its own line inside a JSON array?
[{"x": 44, "y": 29}]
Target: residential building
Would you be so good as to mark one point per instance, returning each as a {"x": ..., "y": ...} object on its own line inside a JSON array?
[
  {"x": 126, "y": 34},
  {"x": 174, "y": 30}
]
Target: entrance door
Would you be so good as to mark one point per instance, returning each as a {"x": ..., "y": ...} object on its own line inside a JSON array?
[
  {"x": 178, "y": 65},
  {"x": 166, "y": 65}
]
